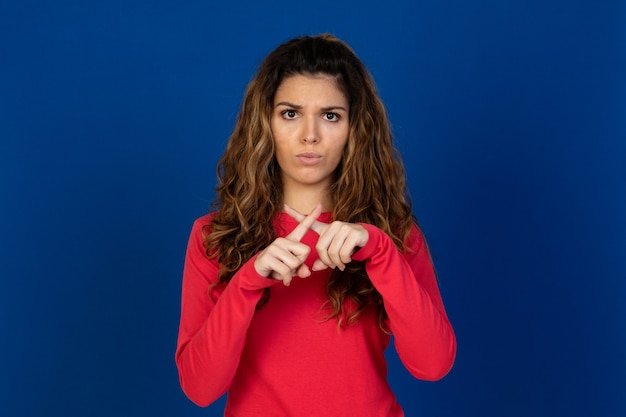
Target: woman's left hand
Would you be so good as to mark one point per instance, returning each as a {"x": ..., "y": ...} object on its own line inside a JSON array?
[{"x": 337, "y": 243}]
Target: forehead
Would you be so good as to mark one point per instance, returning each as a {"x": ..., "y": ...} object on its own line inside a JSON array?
[{"x": 311, "y": 87}]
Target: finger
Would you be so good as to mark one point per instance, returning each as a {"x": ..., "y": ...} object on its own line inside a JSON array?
[
  {"x": 339, "y": 250},
  {"x": 295, "y": 253},
  {"x": 342, "y": 241},
  {"x": 286, "y": 279},
  {"x": 318, "y": 265},
  {"x": 294, "y": 213},
  {"x": 322, "y": 252},
  {"x": 283, "y": 257},
  {"x": 350, "y": 246},
  {"x": 282, "y": 273},
  {"x": 283, "y": 267},
  {"x": 324, "y": 242},
  {"x": 303, "y": 271},
  {"x": 298, "y": 253},
  {"x": 298, "y": 233},
  {"x": 317, "y": 226}
]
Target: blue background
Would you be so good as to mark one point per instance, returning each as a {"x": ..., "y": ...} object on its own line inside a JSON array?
[{"x": 511, "y": 119}]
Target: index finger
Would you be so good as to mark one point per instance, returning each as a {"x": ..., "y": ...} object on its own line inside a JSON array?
[
  {"x": 317, "y": 226},
  {"x": 298, "y": 233}
]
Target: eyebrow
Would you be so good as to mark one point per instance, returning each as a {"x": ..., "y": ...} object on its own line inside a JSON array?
[{"x": 298, "y": 107}]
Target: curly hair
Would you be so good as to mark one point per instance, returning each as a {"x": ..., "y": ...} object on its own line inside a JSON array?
[{"x": 369, "y": 183}]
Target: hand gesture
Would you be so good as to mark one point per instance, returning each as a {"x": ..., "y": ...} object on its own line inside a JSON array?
[
  {"x": 284, "y": 257},
  {"x": 337, "y": 243}
]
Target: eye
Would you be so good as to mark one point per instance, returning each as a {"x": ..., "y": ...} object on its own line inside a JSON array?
[
  {"x": 289, "y": 114},
  {"x": 331, "y": 116}
]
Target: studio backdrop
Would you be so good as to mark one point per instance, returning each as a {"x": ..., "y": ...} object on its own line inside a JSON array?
[{"x": 510, "y": 118}]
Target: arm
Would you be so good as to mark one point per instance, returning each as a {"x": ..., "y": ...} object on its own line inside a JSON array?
[
  {"x": 212, "y": 334},
  {"x": 423, "y": 336}
]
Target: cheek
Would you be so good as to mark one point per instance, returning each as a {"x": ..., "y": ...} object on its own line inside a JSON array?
[
  {"x": 342, "y": 142},
  {"x": 281, "y": 150},
  {"x": 276, "y": 137},
  {"x": 338, "y": 151},
  {"x": 280, "y": 135}
]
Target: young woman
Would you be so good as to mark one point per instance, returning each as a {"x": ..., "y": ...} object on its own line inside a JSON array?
[{"x": 311, "y": 258}]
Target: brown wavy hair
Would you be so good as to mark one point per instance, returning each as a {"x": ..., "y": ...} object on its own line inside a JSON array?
[{"x": 369, "y": 184}]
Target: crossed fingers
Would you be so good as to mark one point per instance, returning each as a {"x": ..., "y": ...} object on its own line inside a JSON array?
[
  {"x": 284, "y": 258},
  {"x": 305, "y": 223},
  {"x": 337, "y": 243}
]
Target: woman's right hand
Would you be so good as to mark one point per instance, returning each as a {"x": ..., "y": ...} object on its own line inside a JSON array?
[{"x": 284, "y": 257}]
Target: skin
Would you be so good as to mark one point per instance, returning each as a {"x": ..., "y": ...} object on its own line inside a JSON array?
[
  {"x": 310, "y": 125},
  {"x": 337, "y": 242}
]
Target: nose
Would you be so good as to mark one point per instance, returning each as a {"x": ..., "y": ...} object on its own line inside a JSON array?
[{"x": 310, "y": 133}]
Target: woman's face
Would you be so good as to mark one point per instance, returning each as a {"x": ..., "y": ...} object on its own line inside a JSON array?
[{"x": 310, "y": 124}]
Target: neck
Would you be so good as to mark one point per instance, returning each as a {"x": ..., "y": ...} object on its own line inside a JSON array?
[{"x": 305, "y": 199}]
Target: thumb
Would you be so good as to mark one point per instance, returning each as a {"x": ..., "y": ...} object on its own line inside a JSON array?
[
  {"x": 303, "y": 271},
  {"x": 318, "y": 265}
]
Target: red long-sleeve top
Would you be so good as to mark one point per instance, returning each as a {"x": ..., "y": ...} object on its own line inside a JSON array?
[{"x": 284, "y": 359}]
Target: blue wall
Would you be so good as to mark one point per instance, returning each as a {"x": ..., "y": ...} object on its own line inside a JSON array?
[{"x": 511, "y": 120}]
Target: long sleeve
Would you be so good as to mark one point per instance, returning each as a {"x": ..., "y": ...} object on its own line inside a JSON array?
[
  {"x": 212, "y": 334},
  {"x": 423, "y": 335}
]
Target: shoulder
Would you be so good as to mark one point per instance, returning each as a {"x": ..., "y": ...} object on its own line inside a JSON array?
[
  {"x": 415, "y": 241},
  {"x": 200, "y": 230},
  {"x": 203, "y": 221}
]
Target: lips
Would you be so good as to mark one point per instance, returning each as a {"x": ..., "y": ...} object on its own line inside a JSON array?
[{"x": 309, "y": 158}]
